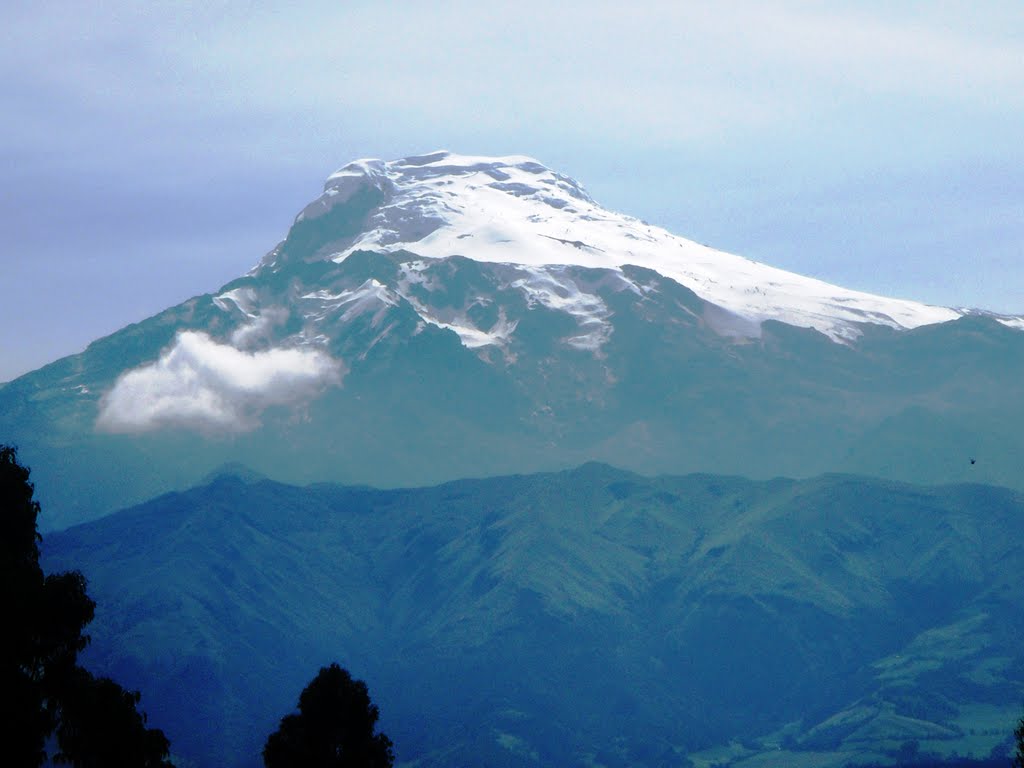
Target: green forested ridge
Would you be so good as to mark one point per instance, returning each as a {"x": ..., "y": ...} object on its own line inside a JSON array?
[{"x": 582, "y": 617}]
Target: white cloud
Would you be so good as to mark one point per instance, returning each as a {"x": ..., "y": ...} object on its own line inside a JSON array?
[
  {"x": 259, "y": 329},
  {"x": 203, "y": 385}
]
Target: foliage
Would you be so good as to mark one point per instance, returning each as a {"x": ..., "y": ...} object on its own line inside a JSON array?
[
  {"x": 100, "y": 726},
  {"x": 334, "y": 728},
  {"x": 42, "y": 690},
  {"x": 1018, "y": 736}
]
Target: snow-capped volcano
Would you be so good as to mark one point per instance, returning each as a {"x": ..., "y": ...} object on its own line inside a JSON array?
[
  {"x": 515, "y": 210},
  {"x": 446, "y": 316}
]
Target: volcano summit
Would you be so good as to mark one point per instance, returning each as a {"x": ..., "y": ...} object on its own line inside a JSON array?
[{"x": 513, "y": 210}]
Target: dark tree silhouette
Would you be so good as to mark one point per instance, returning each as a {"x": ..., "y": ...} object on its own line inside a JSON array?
[
  {"x": 333, "y": 729},
  {"x": 100, "y": 727},
  {"x": 42, "y": 690},
  {"x": 1018, "y": 737}
]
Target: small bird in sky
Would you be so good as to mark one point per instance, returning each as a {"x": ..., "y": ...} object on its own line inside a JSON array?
[{"x": 973, "y": 460}]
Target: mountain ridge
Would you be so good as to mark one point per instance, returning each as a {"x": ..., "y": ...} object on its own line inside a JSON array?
[
  {"x": 587, "y": 611},
  {"x": 348, "y": 356}
]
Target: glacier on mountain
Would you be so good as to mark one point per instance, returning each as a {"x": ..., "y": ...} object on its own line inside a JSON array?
[{"x": 515, "y": 210}]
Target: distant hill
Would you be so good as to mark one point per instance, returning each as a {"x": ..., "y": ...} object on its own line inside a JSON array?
[{"x": 586, "y": 617}]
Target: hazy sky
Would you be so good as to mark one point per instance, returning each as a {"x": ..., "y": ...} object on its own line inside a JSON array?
[{"x": 153, "y": 151}]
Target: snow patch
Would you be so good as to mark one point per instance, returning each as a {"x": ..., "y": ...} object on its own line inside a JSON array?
[
  {"x": 372, "y": 296},
  {"x": 474, "y": 338},
  {"x": 240, "y": 300},
  {"x": 554, "y": 289}
]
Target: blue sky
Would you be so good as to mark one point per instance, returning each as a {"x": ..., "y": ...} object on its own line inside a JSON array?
[{"x": 153, "y": 151}]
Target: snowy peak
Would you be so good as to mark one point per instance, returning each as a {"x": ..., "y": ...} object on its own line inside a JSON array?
[
  {"x": 515, "y": 174},
  {"x": 515, "y": 210},
  {"x": 438, "y": 199}
]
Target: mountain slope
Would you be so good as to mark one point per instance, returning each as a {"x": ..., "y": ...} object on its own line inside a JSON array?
[
  {"x": 364, "y": 348},
  {"x": 588, "y": 616}
]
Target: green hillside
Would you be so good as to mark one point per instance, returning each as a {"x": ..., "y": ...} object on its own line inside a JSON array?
[{"x": 587, "y": 617}]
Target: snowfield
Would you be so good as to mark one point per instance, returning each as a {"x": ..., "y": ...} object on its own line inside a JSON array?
[{"x": 515, "y": 210}]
